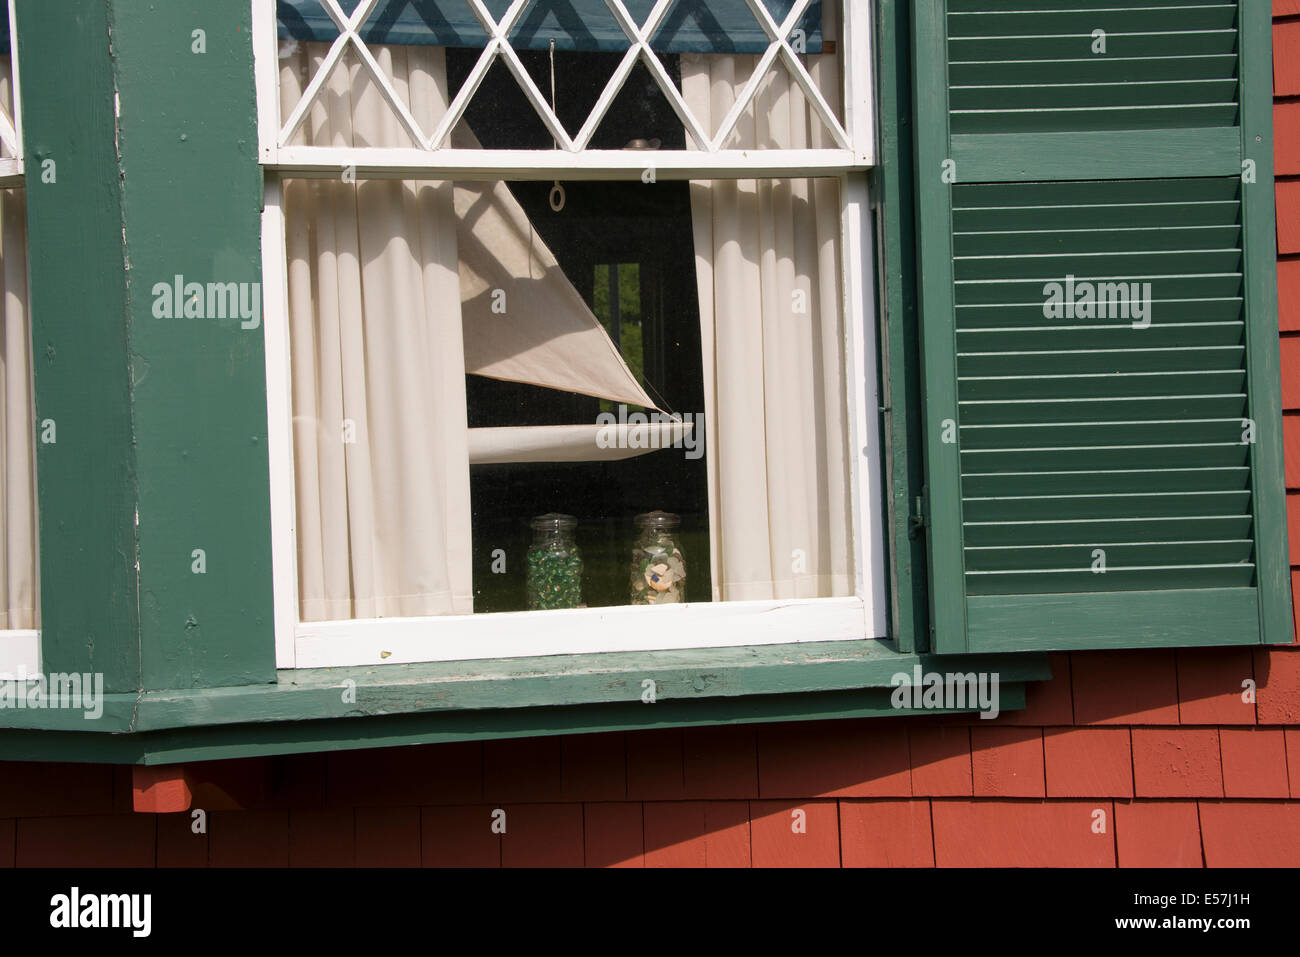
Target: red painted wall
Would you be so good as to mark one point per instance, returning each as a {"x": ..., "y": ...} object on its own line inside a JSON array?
[{"x": 1182, "y": 771}]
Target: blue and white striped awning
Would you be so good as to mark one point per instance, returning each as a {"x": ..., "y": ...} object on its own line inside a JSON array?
[{"x": 691, "y": 26}]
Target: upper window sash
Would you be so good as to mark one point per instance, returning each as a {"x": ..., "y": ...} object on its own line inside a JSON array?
[{"x": 854, "y": 139}]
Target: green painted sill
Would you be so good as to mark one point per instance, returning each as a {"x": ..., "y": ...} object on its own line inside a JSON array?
[{"x": 382, "y": 705}]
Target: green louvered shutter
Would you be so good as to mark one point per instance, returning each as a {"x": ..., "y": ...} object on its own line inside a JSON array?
[{"x": 1104, "y": 475}]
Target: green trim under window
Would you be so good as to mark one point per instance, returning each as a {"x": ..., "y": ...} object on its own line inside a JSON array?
[
  {"x": 324, "y": 709},
  {"x": 223, "y": 742}
]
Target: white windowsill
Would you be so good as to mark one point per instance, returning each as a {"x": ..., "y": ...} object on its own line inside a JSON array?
[{"x": 335, "y": 644}]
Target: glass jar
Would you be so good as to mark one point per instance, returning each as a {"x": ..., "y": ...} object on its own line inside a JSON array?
[
  {"x": 554, "y": 577},
  {"x": 658, "y": 572}
]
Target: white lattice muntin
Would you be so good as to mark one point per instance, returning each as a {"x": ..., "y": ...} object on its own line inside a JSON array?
[{"x": 851, "y": 140}]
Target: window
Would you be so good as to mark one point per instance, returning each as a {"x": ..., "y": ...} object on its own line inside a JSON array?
[
  {"x": 654, "y": 220},
  {"x": 19, "y": 605}
]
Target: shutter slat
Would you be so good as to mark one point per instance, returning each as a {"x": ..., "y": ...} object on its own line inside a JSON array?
[
  {"x": 1114, "y": 481},
  {"x": 1088, "y": 435},
  {"x": 1116, "y": 264},
  {"x": 1025, "y": 242},
  {"x": 1020, "y": 315},
  {"x": 1169, "y": 454},
  {"x": 1097, "y": 117},
  {"x": 1108, "y": 93},
  {"x": 992, "y": 558},
  {"x": 1095, "y": 71},
  {"x": 1083, "y": 20},
  {"x": 1176, "y": 358},
  {"x": 1171, "y": 7},
  {"x": 1135, "y": 505},
  {"x": 1100, "y": 385},
  {"x": 1117, "y": 578},
  {"x": 1043, "y": 338},
  {"x": 1173, "y": 528},
  {"x": 1073, "y": 410},
  {"x": 1049, "y": 47},
  {"x": 1164, "y": 287}
]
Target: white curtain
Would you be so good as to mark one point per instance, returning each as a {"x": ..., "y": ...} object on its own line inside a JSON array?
[
  {"x": 768, "y": 267},
  {"x": 396, "y": 290},
  {"x": 18, "y": 605},
  {"x": 380, "y": 448}
]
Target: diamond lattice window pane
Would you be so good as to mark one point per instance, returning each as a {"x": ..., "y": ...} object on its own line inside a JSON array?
[
  {"x": 641, "y": 116},
  {"x": 778, "y": 116},
  {"x": 499, "y": 115},
  {"x": 615, "y": 66}
]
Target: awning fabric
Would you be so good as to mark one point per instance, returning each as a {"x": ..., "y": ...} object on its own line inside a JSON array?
[{"x": 692, "y": 26}]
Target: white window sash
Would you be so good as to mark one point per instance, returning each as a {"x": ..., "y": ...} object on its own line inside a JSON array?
[
  {"x": 590, "y": 630},
  {"x": 577, "y": 631}
]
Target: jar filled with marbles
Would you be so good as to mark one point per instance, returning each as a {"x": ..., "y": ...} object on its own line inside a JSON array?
[
  {"x": 658, "y": 571},
  {"x": 554, "y": 575}
]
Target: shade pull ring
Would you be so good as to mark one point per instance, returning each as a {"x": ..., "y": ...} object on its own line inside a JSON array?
[{"x": 557, "y": 196}]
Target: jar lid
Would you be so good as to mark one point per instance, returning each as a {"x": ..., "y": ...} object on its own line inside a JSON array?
[
  {"x": 553, "y": 521},
  {"x": 657, "y": 519}
]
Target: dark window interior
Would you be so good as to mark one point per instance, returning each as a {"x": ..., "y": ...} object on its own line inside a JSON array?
[{"x": 645, "y": 231}]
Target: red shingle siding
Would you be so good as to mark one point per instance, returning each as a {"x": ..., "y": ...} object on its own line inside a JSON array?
[{"x": 1158, "y": 834}]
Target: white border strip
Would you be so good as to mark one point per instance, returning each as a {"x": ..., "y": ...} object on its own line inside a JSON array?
[
  {"x": 334, "y": 644},
  {"x": 20, "y": 650},
  {"x": 279, "y": 424}
]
